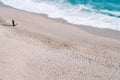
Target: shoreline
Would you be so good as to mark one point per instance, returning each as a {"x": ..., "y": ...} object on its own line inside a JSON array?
[{"x": 103, "y": 32}]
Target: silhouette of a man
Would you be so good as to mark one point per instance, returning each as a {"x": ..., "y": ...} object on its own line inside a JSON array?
[{"x": 13, "y": 23}]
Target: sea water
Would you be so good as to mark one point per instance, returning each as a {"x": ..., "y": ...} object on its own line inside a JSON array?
[{"x": 94, "y": 13}]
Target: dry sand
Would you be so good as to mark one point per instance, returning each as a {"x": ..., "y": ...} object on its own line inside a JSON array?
[{"x": 40, "y": 48}]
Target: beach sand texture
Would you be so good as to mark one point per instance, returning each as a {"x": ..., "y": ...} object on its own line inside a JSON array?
[{"x": 40, "y": 48}]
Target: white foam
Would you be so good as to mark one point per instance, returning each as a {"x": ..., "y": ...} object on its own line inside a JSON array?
[{"x": 80, "y": 14}]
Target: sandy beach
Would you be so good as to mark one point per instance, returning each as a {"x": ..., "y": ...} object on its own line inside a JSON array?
[{"x": 40, "y": 48}]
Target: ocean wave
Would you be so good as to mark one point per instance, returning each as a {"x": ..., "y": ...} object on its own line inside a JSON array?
[{"x": 80, "y": 14}]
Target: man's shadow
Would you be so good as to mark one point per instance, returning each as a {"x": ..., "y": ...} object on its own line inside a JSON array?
[{"x": 9, "y": 25}]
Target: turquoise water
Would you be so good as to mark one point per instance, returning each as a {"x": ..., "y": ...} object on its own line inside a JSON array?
[
  {"x": 95, "y": 13},
  {"x": 112, "y": 5}
]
